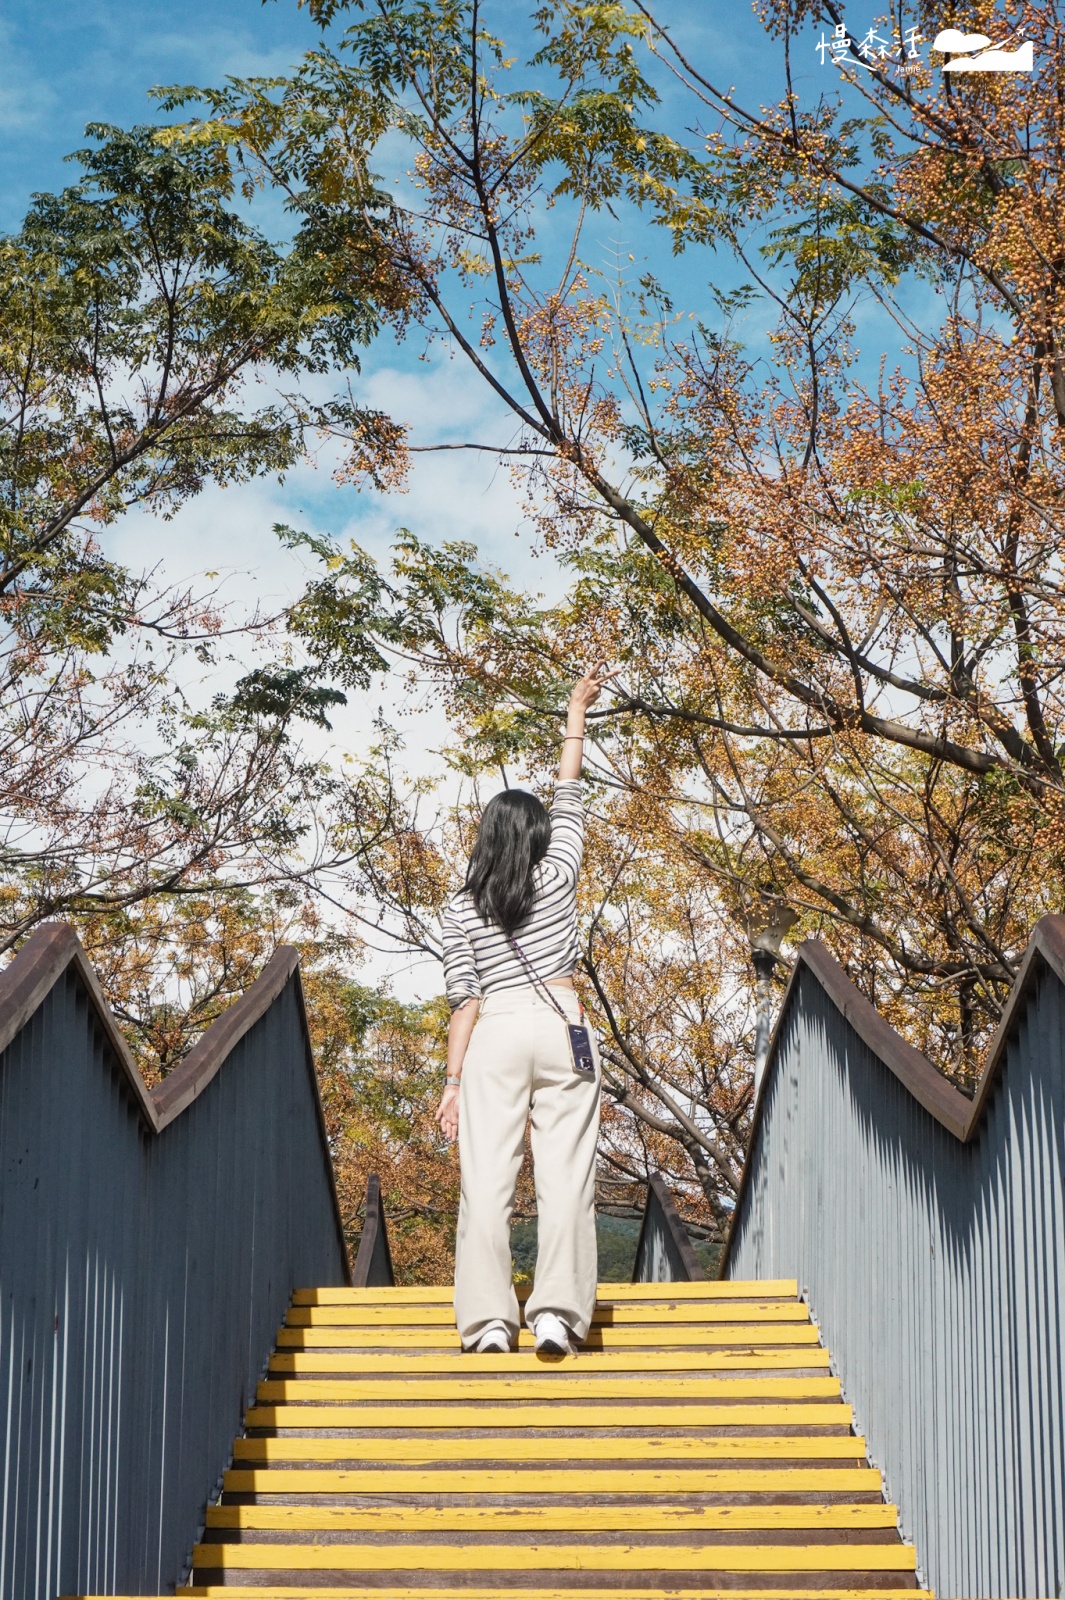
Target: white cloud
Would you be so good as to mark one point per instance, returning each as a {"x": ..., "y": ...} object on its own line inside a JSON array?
[
  {"x": 454, "y": 495},
  {"x": 27, "y": 98}
]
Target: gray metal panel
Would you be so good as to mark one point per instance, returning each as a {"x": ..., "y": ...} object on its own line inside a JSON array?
[
  {"x": 142, "y": 1280},
  {"x": 664, "y": 1251},
  {"x": 935, "y": 1268}
]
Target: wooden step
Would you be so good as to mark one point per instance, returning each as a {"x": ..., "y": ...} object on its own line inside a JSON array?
[
  {"x": 581, "y": 1481},
  {"x": 559, "y": 1414},
  {"x": 294, "y": 1591},
  {"x": 671, "y": 1355},
  {"x": 571, "y": 1385},
  {"x": 697, "y": 1448},
  {"x": 709, "y": 1557},
  {"x": 403, "y": 1592},
  {"x": 588, "y": 1518},
  {"x": 654, "y": 1314},
  {"x": 606, "y": 1293},
  {"x": 380, "y": 1336},
  {"x": 480, "y": 1447},
  {"x": 663, "y": 1359}
]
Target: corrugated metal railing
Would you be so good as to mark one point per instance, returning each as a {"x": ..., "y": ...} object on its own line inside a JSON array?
[
  {"x": 664, "y": 1252},
  {"x": 149, "y": 1244},
  {"x": 928, "y": 1233}
]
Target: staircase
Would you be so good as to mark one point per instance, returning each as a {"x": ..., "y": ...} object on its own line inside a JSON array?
[{"x": 698, "y": 1445}]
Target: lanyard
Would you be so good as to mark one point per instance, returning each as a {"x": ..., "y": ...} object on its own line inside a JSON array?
[{"x": 538, "y": 983}]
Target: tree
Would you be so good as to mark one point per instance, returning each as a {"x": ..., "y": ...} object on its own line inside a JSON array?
[
  {"x": 185, "y": 836},
  {"x": 393, "y": 1054},
  {"x": 657, "y": 952},
  {"x": 137, "y": 304},
  {"x": 838, "y": 594}
]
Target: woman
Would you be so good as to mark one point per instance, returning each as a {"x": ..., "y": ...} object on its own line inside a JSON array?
[{"x": 510, "y": 947}]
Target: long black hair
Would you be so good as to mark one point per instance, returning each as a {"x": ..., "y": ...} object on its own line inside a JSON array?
[{"x": 514, "y": 835}]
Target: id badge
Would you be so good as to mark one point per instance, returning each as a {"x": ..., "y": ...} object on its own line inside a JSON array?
[{"x": 580, "y": 1043}]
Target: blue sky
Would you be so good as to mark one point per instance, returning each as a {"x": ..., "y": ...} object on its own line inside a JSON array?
[{"x": 64, "y": 64}]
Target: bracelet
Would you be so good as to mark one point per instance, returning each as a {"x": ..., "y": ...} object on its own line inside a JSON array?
[
  {"x": 452, "y": 1083},
  {"x": 570, "y": 736}
]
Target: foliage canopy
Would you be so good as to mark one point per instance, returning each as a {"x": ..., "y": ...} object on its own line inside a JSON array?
[{"x": 834, "y": 586}]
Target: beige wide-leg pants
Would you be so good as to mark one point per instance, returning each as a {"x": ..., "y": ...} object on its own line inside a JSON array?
[{"x": 518, "y": 1069}]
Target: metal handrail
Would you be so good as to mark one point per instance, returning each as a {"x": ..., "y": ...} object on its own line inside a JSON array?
[
  {"x": 373, "y": 1261},
  {"x": 664, "y": 1251},
  {"x": 959, "y": 1114},
  {"x": 149, "y": 1245},
  {"x": 926, "y": 1231}
]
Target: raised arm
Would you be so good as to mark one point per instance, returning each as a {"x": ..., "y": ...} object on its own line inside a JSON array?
[{"x": 585, "y": 693}]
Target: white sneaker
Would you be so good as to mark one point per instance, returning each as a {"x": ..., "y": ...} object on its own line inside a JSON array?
[
  {"x": 495, "y": 1340},
  {"x": 551, "y": 1336}
]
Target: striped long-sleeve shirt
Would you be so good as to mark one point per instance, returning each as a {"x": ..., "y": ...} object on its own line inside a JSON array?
[{"x": 477, "y": 957}]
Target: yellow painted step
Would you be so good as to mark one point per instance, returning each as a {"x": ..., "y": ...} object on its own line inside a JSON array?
[
  {"x": 703, "y": 1334},
  {"x": 281, "y": 1390},
  {"x": 558, "y": 1557},
  {"x": 797, "y": 1447},
  {"x": 587, "y": 1362},
  {"x": 554, "y": 1519},
  {"x": 397, "y": 1592},
  {"x": 559, "y": 1480},
  {"x": 560, "y": 1414},
  {"x": 607, "y": 1293},
  {"x": 768, "y": 1359},
  {"x": 659, "y": 1315},
  {"x": 292, "y": 1390}
]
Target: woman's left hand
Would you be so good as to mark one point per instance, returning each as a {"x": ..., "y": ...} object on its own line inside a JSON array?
[{"x": 447, "y": 1114}]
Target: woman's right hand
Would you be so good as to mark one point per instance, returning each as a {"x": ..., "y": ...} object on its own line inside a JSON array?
[
  {"x": 585, "y": 693},
  {"x": 587, "y": 689},
  {"x": 447, "y": 1114}
]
